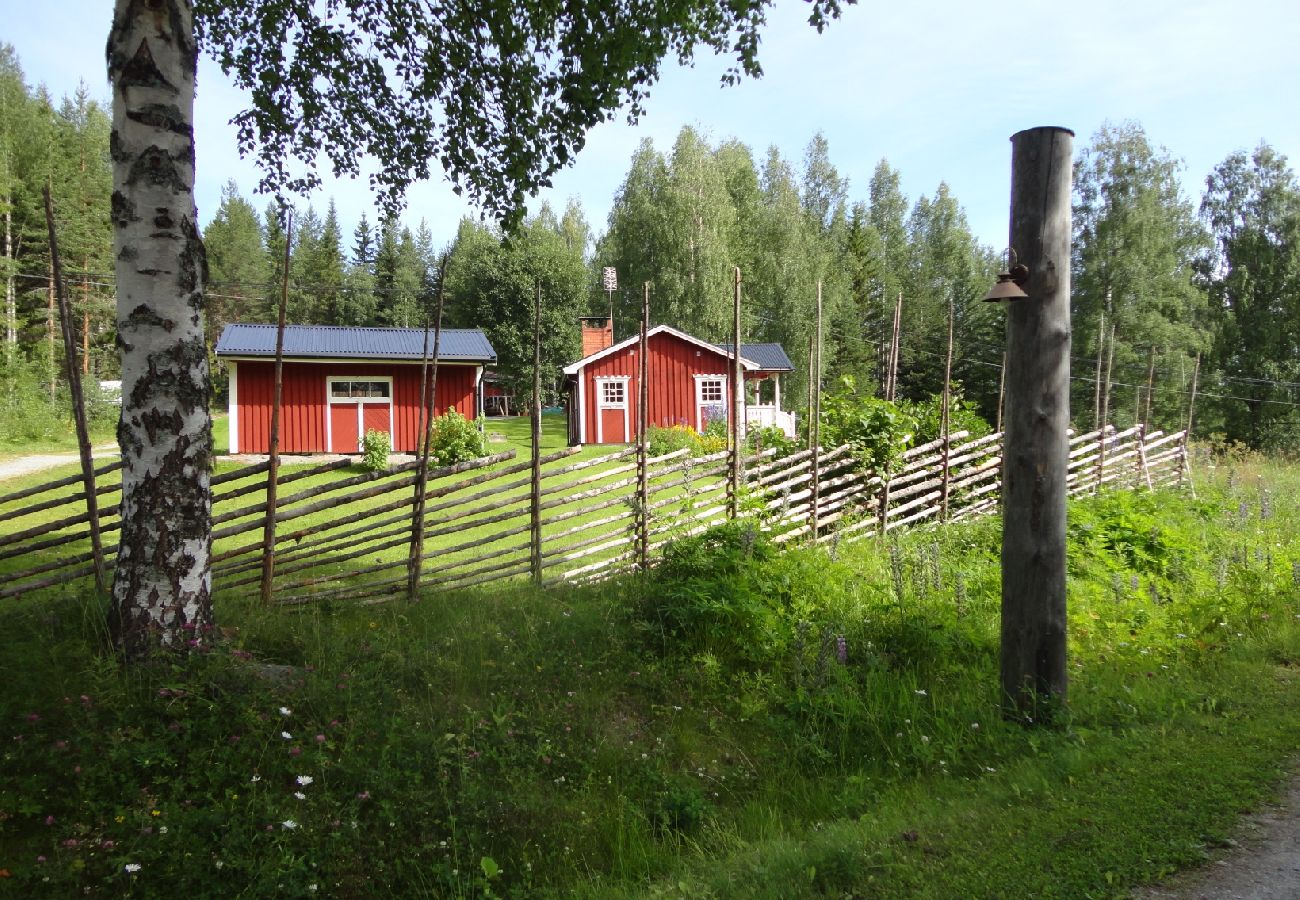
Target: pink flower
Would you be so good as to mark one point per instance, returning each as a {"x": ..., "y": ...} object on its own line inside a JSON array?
[
  {"x": 295, "y": 751},
  {"x": 33, "y": 717},
  {"x": 49, "y": 820},
  {"x": 320, "y": 738}
]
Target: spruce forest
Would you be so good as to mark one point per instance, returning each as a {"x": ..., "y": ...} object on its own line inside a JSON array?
[{"x": 1168, "y": 289}]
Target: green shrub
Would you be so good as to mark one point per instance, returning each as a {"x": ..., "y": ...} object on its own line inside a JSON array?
[
  {"x": 928, "y": 415},
  {"x": 661, "y": 440},
  {"x": 771, "y": 437},
  {"x": 455, "y": 439},
  {"x": 375, "y": 447},
  {"x": 878, "y": 430}
]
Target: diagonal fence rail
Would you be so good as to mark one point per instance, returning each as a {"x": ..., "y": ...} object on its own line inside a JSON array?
[{"x": 343, "y": 535}]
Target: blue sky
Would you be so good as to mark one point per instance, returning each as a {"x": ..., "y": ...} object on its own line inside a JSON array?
[{"x": 937, "y": 87}]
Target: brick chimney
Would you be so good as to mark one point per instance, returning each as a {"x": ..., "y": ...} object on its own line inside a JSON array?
[{"x": 597, "y": 334}]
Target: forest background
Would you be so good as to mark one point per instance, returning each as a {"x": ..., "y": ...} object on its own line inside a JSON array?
[{"x": 1161, "y": 279}]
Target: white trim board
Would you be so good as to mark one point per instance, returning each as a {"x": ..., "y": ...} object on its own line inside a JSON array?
[
  {"x": 574, "y": 368},
  {"x": 232, "y": 403}
]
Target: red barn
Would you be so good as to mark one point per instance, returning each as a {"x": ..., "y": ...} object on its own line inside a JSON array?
[
  {"x": 339, "y": 383},
  {"x": 689, "y": 383}
]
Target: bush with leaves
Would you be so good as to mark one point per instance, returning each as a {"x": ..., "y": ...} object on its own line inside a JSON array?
[
  {"x": 928, "y": 415},
  {"x": 455, "y": 439},
  {"x": 769, "y": 437},
  {"x": 878, "y": 430},
  {"x": 375, "y": 447}
]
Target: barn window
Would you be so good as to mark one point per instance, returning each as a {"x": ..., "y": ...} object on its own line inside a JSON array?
[
  {"x": 613, "y": 393},
  {"x": 711, "y": 391},
  {"x": 347, "y": 389}
]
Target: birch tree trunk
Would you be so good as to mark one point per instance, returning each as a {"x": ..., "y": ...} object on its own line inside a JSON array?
[
  {"x": 11, "y": 304},
  {"x": 162, "y": 586}
]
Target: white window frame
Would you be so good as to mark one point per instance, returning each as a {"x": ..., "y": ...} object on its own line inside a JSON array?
[
  {"x": 700, "y": 381},
  {"x": 602, "y": 404},
  {"x": 331, "y": 401}
]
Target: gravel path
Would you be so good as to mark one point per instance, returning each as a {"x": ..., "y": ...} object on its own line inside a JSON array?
[
  {"x": 26, "y": 465},
  {"x": 1263, "y": 864}
]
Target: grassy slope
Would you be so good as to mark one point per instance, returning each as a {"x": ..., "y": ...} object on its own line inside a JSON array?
[{"x": 553, "y": 735}]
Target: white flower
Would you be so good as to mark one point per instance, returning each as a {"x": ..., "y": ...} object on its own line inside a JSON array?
[
  {"x": 256, "y": 779},
  {"x": 305, "y": 780},
  {"x": 300, "y": 795},
  {"x": 920, "y": 692},
  {"x": 286, "y": 735},
  {"x": 162, "y": 829},
  {"x": 132, "y": 868},
  {"x": 289, "y": 824},
  {"x": 285, "y": 711}
]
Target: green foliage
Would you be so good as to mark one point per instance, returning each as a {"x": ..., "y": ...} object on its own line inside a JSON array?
[
  {"x": 770, "y": 437},
  {"x": 714, "y": 597},
  {"x": 375, "y": 447},
  {"x": 878, "y": 430},
  {"x": 455, "y": 439},
  {"x": 466, "y": 93},
  {"x": 928, "y": 415}
]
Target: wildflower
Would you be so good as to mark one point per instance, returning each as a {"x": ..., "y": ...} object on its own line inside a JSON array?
[
  {"x": 131, "y": 868},
  {"x": 974, "y": 726},
  {"x": 920, "y": 692},
  {"x": 305, "y": 780},
  {"x": 320, "y": 738},
  {"x": 49, "y": 820},
  {"x": 289, "y": 824},
  {"x": 33, "y": 717},
  {"x": 155, "y": 812},
  {"x": 841, "y": 645},
  {"x": 300, "y": 795},
  {"x": 256, "y": 779},
  {"x": 285, "y": 711},
  {"x": 925, "y": 739},
  {"x": 40, "y": 859},
  {"x": 364, "y": 795},
  {"x": 295, "y": 751},
  {"x": 286, "y": 735},
  {"x": 162, "y": 829}
]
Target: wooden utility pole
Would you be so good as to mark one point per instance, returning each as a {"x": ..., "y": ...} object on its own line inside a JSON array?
[
  {"x": 78, "y": 400},
  {"x": 946, "y": 421},
  {"x": 812, "y": 350},
  {"x": 273, "y": 461},
  {"x": 1191, "y": 403},
  {"x": 1036, "y": 445},
  {"x": 737, "y": 407},
  {"x": 815, "y": 426},
  {"x": 642, "y": 462},
  {"x": 429, "y": 372},
  {"x": 535, "y": 497}
]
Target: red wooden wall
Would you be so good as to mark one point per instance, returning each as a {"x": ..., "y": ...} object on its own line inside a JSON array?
[
  {"x": 304, "y": 401},
  {"x": 672, "y": 367}
]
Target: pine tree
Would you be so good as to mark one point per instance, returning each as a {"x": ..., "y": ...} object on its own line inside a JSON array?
[{"x": 240, "y": 288}]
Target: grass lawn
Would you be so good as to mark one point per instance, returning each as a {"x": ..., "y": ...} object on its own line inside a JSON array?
[{"x": 743, "y": 723}]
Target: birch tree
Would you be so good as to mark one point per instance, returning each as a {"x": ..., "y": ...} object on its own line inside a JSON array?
[{"x": 162, "y": 586}]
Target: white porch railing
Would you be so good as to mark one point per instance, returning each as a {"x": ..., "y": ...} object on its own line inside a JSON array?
[{"x": 766, "y": 416}]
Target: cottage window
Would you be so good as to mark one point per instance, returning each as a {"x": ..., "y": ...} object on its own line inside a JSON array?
[
  {"x": 711, "y": 392},
  {"x": 613, "y": 393},
  {"x": 351, "y": 390}
]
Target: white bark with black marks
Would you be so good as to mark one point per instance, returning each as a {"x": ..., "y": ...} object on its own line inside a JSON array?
[{"x": 162, "y": 586}]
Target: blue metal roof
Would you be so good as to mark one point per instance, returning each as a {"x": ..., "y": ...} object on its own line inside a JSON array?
[
  {"x": 333, "y": 342},
  {"x": 768, "y": 357}
]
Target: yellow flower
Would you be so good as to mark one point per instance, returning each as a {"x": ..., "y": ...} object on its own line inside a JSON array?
[
  {"x": 154, "y": 812},
  {"x": 119, "y": 818}
]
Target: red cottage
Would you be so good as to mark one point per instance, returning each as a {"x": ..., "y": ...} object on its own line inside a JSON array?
[
  {"x": 689, "y": 383},
  {"x": 339, "y": 383}
]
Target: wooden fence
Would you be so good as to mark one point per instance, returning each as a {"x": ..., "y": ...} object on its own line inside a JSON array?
[{"x": 345, "y": 537}]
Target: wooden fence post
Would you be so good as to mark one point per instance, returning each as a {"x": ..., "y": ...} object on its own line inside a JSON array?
[
  {"x": 895, "y": 346},
  {"x": 415, "y": 561},
  {"x": 1002, "y": 392},
  {"x": 1036, "y": 449},
  {"x": 946, "y": 424},
  {"x": 1101, "y": 355},
  {"x": 737, "y": 405},
  {"x": 642, "y": 474},
  {"x": 816, "y": 424},
  {"x": 273, "y": 458},
  {"x": 78, "y": 401},
  {"x": 535, "y": 504},
  {"x": 1191, "y": 403}
]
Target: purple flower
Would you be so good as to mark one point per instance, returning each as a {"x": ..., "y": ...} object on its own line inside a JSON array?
[{"x": 841, "y": 649}]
